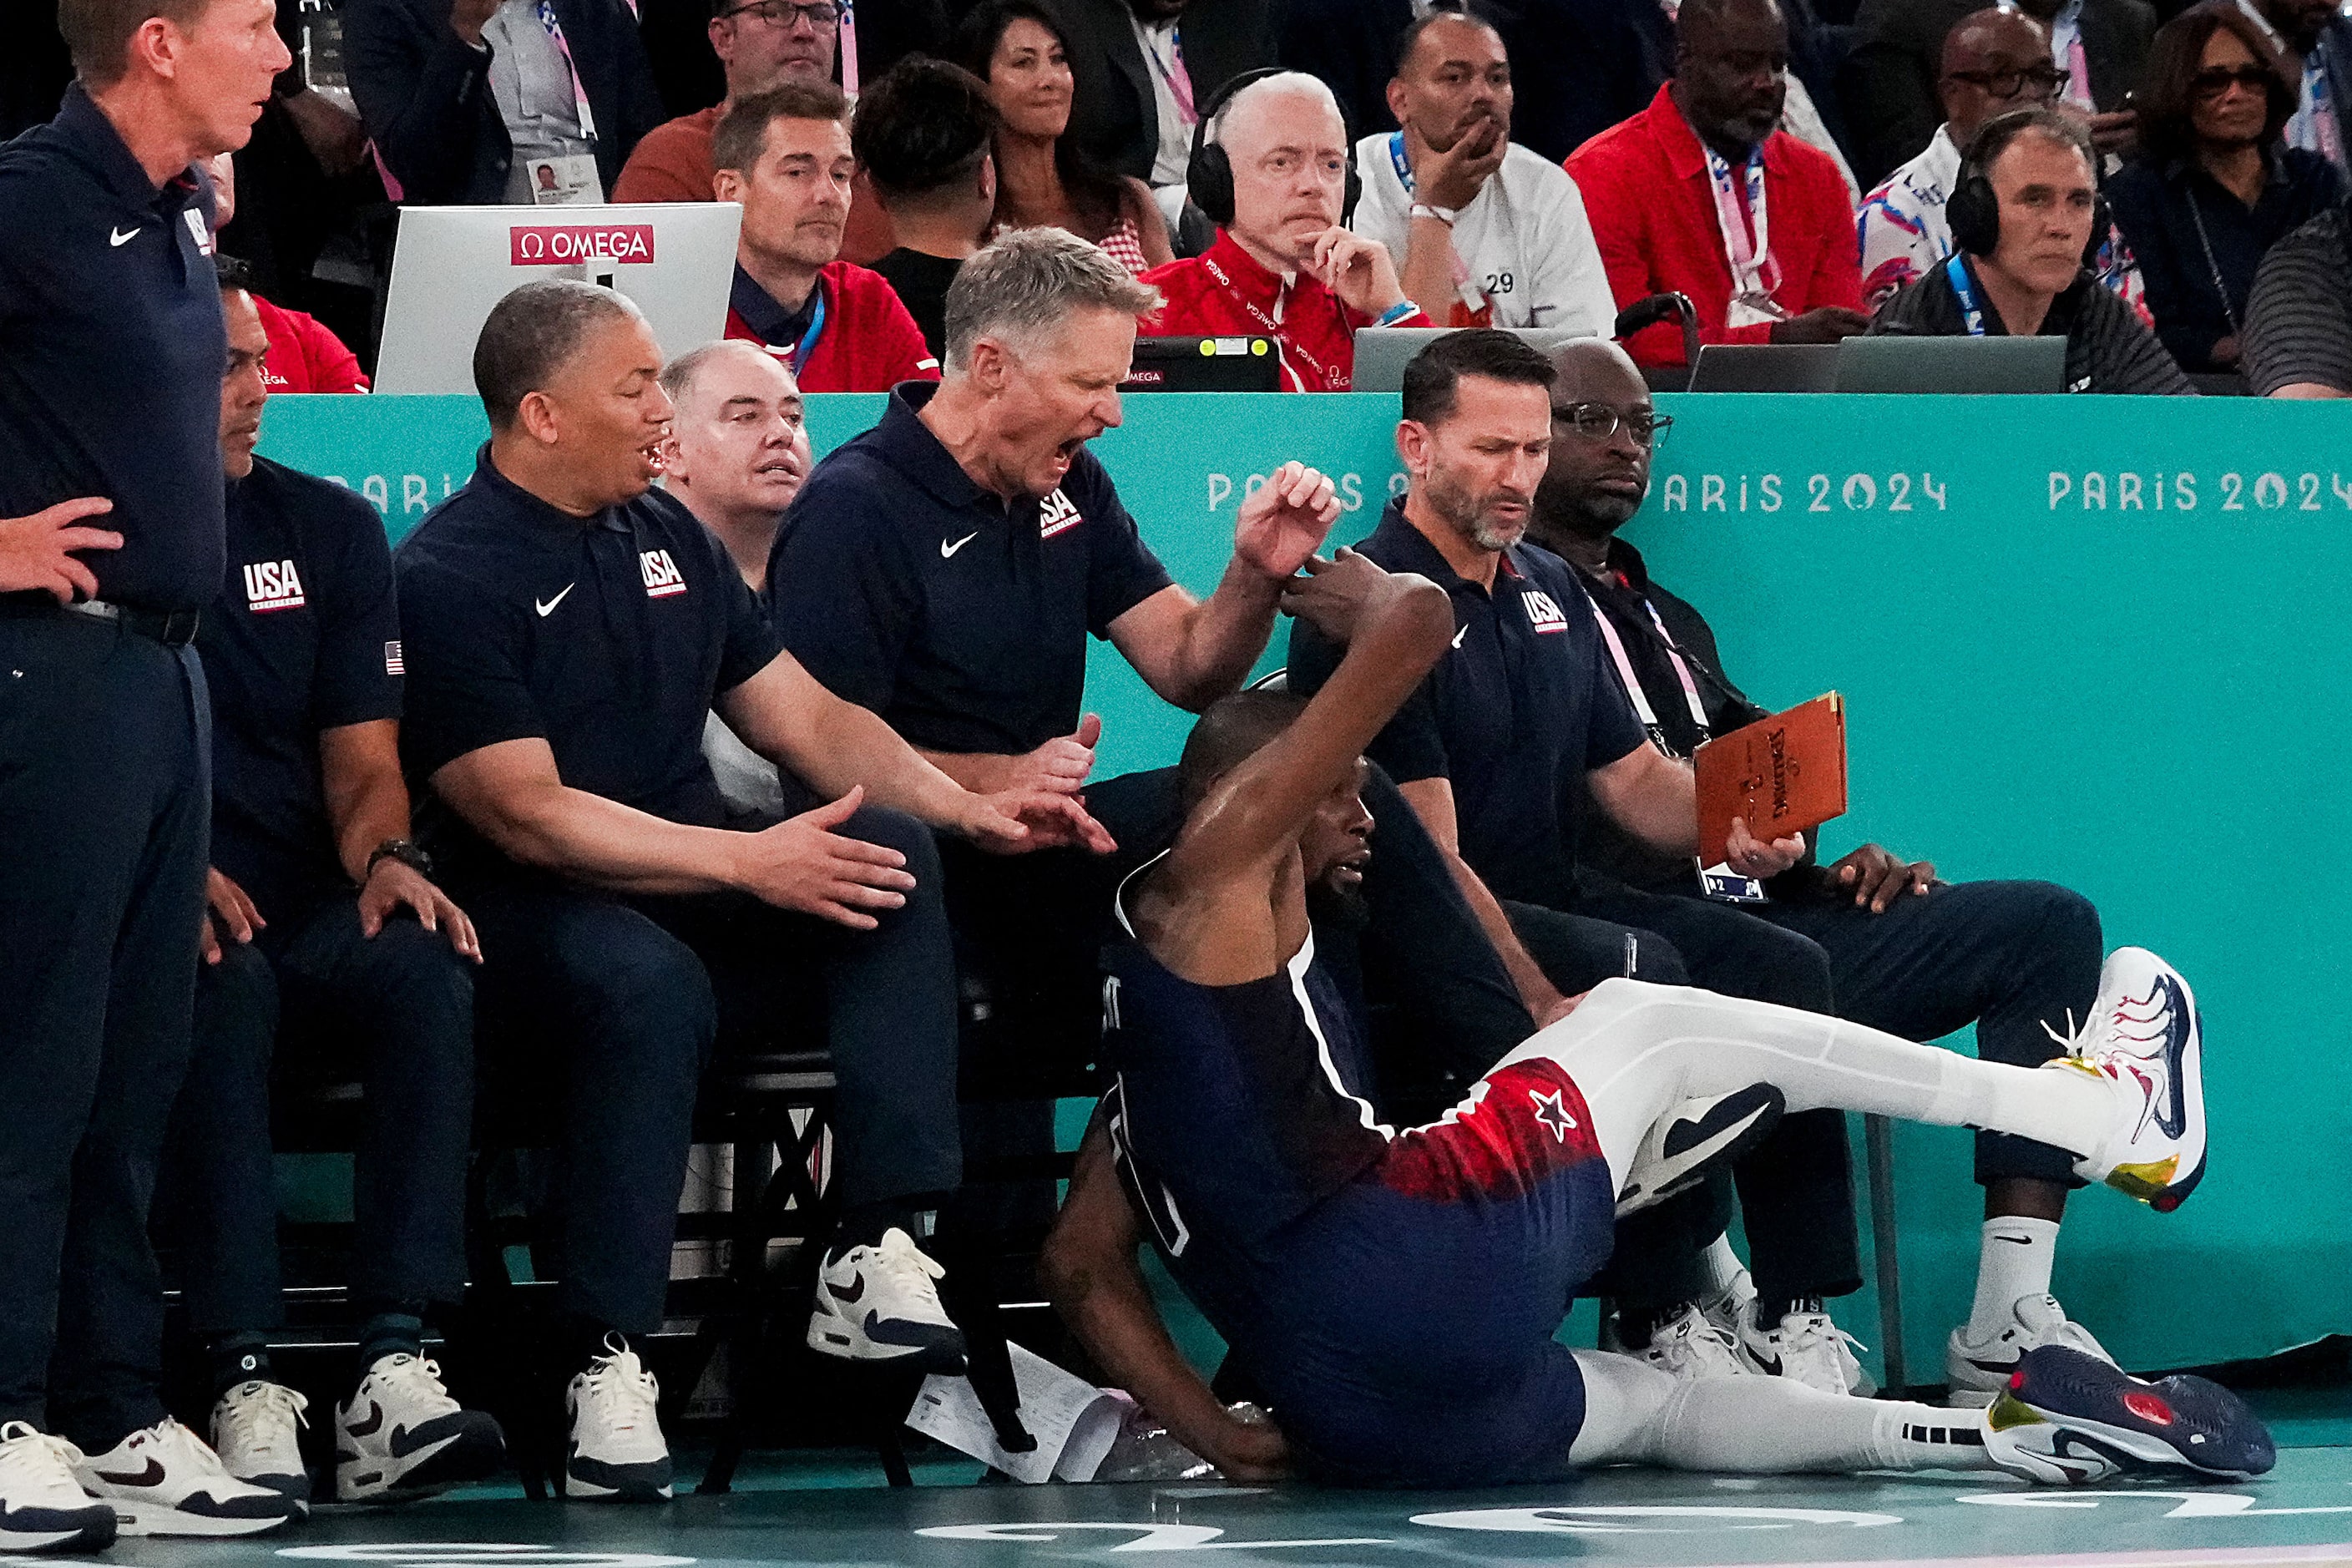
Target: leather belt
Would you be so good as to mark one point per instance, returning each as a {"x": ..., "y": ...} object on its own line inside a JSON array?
[{"x": 172, "y": 629}]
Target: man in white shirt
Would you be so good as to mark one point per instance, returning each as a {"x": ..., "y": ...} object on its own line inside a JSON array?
[
  {"x": 1487, "y": 232},
  {"x": 1994, "y": 61}
]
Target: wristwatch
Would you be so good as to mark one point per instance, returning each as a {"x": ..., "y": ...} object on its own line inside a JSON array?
[
  {"x": 1449, "y": 217},
  {"x": 407, "y": 851}
]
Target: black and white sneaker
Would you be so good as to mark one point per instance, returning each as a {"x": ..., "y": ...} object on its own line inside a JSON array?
[
  {"x": 163, "y": 1480},
  {"x": 42, "y": 1507},
  {"x": 256, "y": 1433},
  {"x": 2072, "y": 1419},
  {"x": 1683, "y": 1142},
  {"x": 882, "y": 1303},
  {"x": 1805, "y": 1346},
  {"x": 400, "y": 1437},
  {"x": 617, "y": 1453},
  {"x": 1977, "y": 1369}
]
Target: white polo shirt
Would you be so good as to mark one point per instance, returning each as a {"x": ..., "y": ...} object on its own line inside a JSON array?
[{"x": 1524, "y": 240}]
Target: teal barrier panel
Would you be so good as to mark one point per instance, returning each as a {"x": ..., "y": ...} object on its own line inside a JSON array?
[{"x": 2099, "y": 641}]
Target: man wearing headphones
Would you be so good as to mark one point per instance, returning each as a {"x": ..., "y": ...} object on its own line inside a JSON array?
[
  {"x": 1271, "y": 165},
  {"x": 2022, "y": 216}
]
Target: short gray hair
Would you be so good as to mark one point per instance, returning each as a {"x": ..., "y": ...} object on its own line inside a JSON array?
[
  {"x": 1029, "y": 280},
  {"x": 679, "y": 376},
  {"x": 532, "y": 333}
]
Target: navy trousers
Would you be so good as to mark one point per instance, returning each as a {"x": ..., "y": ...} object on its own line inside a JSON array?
[
  {"x": 105, "y": 789},
  {"x": 313, "y": 997}
]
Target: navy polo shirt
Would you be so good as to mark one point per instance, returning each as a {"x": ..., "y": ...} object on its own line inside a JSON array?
[
  {"x": 111, "y": 350},
  {"x": 1514, "y": 716},
  {"x": 908, "y": 589},
  {"x": 607, "y": 637},
  {"x": 304, "y": 637}
]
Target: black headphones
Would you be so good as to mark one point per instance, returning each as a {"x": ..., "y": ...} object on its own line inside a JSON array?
[
  {"x": 1972, "y": 211},
  {"x": 1209, "y": 173}
]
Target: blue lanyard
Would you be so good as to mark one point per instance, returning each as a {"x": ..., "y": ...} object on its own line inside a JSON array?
[
  {"x": 1397, "y": 157},
  {"x": 808, "y": 339},
  {"x": 1957, "y": 271}
]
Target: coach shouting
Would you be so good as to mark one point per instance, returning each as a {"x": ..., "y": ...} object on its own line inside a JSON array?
[{"x": 111, "y": 355}]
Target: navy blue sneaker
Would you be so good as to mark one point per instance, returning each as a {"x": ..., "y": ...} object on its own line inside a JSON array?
[{"x": 2072, "y": 1419}]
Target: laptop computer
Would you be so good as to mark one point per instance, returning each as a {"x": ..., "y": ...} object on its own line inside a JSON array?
[
  {"x": 1766, "y": 367},
  {"x": 1382, "y": 352},
  {"x": 1205, "y": 365},
  {"x": 1903, "y": 363}
]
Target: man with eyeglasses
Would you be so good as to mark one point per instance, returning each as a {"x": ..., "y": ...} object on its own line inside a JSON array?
[
  {"x": 1994, "y": 61},
  {"x": 759, "y": 43}
]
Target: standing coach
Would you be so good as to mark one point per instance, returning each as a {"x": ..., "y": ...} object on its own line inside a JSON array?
[{"x": 111, "y": 348}]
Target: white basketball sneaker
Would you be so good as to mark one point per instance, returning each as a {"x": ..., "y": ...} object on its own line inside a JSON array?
[
  {"x": 42, "y": 1507},
  {"x": 256, "y": 1432},
  {"x": 2143, "y": 1039},
  {"x": 163, "y": 1480},
  {"x": 882, "y": 1303},
  {"x": 618, "y": 1452},
  {"x": 400, "y": 1437},
  {"x": 1804, "y": 1347},
  {"x": 1978, "y": 1368},
  {"x": 1691, "y": 1346}
]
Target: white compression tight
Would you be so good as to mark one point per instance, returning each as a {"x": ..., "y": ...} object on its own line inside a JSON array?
[{"x": 1637, "y": 1050}]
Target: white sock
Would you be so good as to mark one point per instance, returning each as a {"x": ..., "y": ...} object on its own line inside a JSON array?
[
  {"x": 2014, "y": 1261},
  {"x": 1721, "y": 1266}
]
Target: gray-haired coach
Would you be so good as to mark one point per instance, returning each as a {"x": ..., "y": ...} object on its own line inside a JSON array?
[{"x": 111, "y": 350}]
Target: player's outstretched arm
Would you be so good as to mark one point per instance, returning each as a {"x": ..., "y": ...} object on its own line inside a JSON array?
[{"x": 1396, "y": 625}]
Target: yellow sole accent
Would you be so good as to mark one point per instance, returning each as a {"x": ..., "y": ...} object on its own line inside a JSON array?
[
  {"x": 2007, "y": 1411},
  {"x": 2079, "y": 1065},
  {"x": 2147, "y": 1183}
]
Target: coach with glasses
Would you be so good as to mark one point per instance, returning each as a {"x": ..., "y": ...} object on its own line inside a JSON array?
[
  {"x": 2214, "y": 186},
  {"x": 476, "y": 102}
]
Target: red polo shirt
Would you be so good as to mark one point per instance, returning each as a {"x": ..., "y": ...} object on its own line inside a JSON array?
[
  {"x": 869, "y": 341},
  {"x": 305, "y": 355},
  {"x": 1652, "y": 209},
  {"x": 1225, "y": 292}
]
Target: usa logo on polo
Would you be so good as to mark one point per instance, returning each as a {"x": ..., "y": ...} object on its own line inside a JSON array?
[
  {"x": 1057, "y": 514},
  {"x": 272, "y": 586},
  {"x": 1543, "y": 611},
  {"x": 661, "y": 574}
]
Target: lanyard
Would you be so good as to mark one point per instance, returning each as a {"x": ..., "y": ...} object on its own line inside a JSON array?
[
  {"x": 1404, "y": 164},
  {"x": 1272, "y": 328},
  {"x": 1633, "y": 683},
  {"x": 579, "y": 89},
  {"x": 2066, "y": 53},
  {"x": 1963, "y": 290},
  {"x": 1173, "y": 71},
  {"x": 848, "y": 48},
  {"x": 1754, "y": 276},
  {"x": 800, "y": 356},
  {"x": 2212, "y": 264}
]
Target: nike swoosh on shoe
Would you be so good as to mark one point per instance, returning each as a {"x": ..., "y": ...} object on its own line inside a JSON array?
[
  {"x": 150, "y": 1477},
  {"x": 368, "y": 1427}
]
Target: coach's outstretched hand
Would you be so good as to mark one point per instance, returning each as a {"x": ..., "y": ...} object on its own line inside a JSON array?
[
  {"x": 804, "y": 863},
  {"x": 1016, "y": 821},
  {"x": 1284, "y": 521}
]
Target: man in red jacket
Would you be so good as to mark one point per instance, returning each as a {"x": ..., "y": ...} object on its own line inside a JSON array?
[
  {"x": 784, "y": 154},
  {"x": 1282, "y": 265},
  {"x": 1702, "y": 193}
]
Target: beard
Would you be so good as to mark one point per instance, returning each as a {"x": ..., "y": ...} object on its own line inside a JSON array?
[{"x": 1467, "y": 513}]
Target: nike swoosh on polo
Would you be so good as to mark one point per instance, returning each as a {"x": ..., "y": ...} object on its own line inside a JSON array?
[
  {"x": 1460, "y": 634},
  {"x": 948, "y": 551},
  {"x": 119, "y": 238},
  {"x": 153, "y": 1476},
  {"x": 547, "y": 606}
]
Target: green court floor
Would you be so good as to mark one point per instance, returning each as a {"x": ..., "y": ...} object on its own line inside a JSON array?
[{"x": 817, "y": 1510}]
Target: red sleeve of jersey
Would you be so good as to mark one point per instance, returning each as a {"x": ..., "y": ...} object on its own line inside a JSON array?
[{"x": 333, "y": 366}]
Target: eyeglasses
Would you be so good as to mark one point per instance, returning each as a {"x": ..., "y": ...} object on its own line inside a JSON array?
[
  {"x": 1598, "y": 422},
  {"x": 2215, "y": 80},
  {"x": 821, "y": 14},
  {"x": 2042, "y": 82}
]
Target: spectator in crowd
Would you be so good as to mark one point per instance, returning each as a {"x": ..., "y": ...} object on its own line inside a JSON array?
[
  {"x": 2212, "y": 186},
  {"x": 2312, "y": 41},
  {"x": 1140, "y": 69},
  {"x": 2298, "y": 337},
  {"x": 635, "y": 920},
  {"x": 326, "y": 932},
  {"x": 304, "y": 356},
  {"x": 1994, "y": 61},
  {"x": 1470, "y": 217},
  {"x": 922, "y": 135},
  {"x": 465, "y": 98},
  {"x": 1271, "y": 171},
  {"x": 1496, "y": 754},
  {"x": 738, "y": 453},
  {"x": 1350, "y": 46},
  {"x": 1891, "y": 80},
  {"x": 2022, "y": 222},
  {"x": 2020, "y": 960},
  {"x": 784, "y": 154},
  {"x": 945, "y": 569},
  {"x": 1045, "y": 177},
  {"x": 759, "y": 43},
  {"x": 1704, "y": 194}
]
